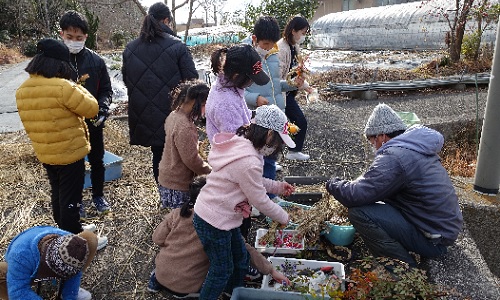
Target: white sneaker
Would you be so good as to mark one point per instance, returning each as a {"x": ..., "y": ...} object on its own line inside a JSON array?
[
  {"x": 83, "y": 294},
  {"x": 279, "y": 167},
  {"x": 102, "y": 241},
  {"x": 255, "y": 212},
  {"x": 89, "y": 227},
  {"x": 277, "y": 199},
  {"x": 297, "y": 155}
]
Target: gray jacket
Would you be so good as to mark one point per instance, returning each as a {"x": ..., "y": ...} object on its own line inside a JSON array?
[{"x": 407, "y": 174}]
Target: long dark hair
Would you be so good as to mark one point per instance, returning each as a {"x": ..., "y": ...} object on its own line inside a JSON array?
[
  {"x": 49, "y": 67},
  {"x": 151, "y": 25},
  {"x": 196, "y": 90},
  {"x": 296, "y": 23},
  {"x": 194, "y": 190},
  {"x": 219, "y": 65},
  {"x": 257, "y": 135}
]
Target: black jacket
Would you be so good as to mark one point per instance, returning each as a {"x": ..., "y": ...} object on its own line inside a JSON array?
[
  {"x": 87, "y": 62},
  {"x": 150, "y": 71}
]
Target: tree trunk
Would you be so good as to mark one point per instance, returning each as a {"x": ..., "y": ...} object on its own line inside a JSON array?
[{"x": 188, "y": 24}]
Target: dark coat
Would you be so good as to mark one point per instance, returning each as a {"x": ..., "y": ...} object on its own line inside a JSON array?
[
  {"x": 87, "y": 62},
  {"x": 150, "y": 71}
]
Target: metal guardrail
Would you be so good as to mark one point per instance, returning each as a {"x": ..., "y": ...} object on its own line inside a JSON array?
[{"x": 400, "y": 85}]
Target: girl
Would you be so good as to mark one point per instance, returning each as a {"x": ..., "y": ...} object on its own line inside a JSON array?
[
  {"x": 181, "y": 263},
  {"x": 181, "y": 161},
  {"x": 293, "y": 36},
  {"x": 236, "y": 183},
  {"x": 237, "y": 68}
]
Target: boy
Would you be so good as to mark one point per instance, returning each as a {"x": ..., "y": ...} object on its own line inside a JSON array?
[
  {"x": 266, "y": 33},
  {"x": 91, "y": 72}
]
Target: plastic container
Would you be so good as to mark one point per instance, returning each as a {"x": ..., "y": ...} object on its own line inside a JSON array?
[
  {"x": 242, "y": 293},
  {"x": 340, "y": 235},
  {"x": 277, "y": 250},
  {"x": 409, "y": 118},
  {"x": 112, "y": 168},
  {"x": 284, "y": 204},
  {"x": 300, "y": 264}
]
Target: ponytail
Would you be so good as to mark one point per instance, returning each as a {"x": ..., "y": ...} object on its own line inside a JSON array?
[{"x": 217, "y": 59}]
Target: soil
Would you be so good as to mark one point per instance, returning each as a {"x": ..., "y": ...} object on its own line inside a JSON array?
[{"x": 121, "y": 271}]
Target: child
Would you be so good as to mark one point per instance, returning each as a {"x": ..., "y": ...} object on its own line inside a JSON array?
[
  {"x": 236, "y": 68},
  {"x": 294, "y": 35},
  {"x": 181, "y": 161},
  {"x": 266, "y": 33},
  {"x": 52, "y": 109},
  {"x": 234, "y": 184},
  {"x": 181, "y": 264},
  {"x": 44, "y": 253},
  {"x": 87, "y": 63},
  {"x": 226, "y": 111}
]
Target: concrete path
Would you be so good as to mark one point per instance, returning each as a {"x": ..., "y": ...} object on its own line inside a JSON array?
[{"x": 10, "y": 79}]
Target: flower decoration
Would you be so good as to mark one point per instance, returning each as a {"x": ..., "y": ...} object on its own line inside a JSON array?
[{"x": 292, "y": 129}]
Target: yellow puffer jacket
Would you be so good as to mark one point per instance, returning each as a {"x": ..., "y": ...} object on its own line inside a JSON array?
[{"x": 52, "y": 111}]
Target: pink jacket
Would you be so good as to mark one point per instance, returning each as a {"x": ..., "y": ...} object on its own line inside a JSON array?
[{"x": 236, "y": 177}]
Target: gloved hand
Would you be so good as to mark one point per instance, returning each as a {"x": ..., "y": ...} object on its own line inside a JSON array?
[
  {"x": 331, "y": 183},
  {"x": 102, "y": 115}
]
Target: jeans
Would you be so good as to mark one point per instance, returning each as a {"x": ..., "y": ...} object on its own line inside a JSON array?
[
  {"x": 228, "y": 259},
  {"x": 295, "y": 115},
  {"x": 66, "y": 183},
  {"x": 157, "y": 153},
  {"x": 96, "y": 162},
  {"x": 387, "y": 233},
  {"x": 270, "y": 171}
]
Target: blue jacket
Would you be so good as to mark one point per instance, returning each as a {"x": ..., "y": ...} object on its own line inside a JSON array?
[
  {"x": 407, "y": 174},
  {"x": 23, "y": 259},
  {"x": 273, "y": 90}
]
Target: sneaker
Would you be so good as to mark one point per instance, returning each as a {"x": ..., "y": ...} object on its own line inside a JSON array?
[
  {"x": 153, "y": 285},
  {"x": 293, "y": 155},
  {"x": 277, "y": 199},
  {"x": 185, "y": 296},
  {"x": 279, "y": 168},
  {"x": 102, "y": 241},
  {"x": 83, "y": 294},
  {"x": 255, "y": 212},
  {"x": 89, "y": 227},
  {"x": 101, "y": 204},
  {"x": 83, "y": 214},
  {"x": 252, "y": 274}
]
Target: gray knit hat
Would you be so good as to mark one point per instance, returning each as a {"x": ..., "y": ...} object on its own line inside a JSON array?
[
  {"x": 272, "y": 117},
  {"x": 383, "y": 120}
]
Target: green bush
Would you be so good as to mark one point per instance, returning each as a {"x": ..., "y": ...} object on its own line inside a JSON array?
[
  {"x": 470, "y": 45},
  {"x": 30, "y": 48}
]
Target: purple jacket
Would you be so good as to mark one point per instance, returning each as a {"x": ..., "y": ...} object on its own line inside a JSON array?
[{"x": 226, "y": 109}]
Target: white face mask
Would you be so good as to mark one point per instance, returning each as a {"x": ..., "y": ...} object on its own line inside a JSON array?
[
  {"x": 74, "y": 46},
  {"x": 262, "y": 52},
  {"x": 301, "y": 39},
  {"x": 266, "y": 150}
]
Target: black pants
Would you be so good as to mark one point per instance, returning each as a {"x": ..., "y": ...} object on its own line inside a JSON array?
[
  {"x": 157, "y": 153},
  {"x": 66, "y": 183},
  {"x": 95, "y": 158},
  {"x": 296, "y": 116}
]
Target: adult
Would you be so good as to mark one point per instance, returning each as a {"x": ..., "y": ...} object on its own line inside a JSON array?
[
  {"x": 289, "y": 51},
  {"x": 153, "y": 65},
  {"x": 89, "y": 69},
  {"x": 44, "y": 253},
  {"x": 405, "y": 201}
]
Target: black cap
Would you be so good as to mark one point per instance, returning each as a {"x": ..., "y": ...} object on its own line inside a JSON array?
[
  {"x": 244, "y": 59},
  {"x": 53, "y": 48}
]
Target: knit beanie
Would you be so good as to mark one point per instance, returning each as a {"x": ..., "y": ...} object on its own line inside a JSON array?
[
  {"x": 383, "y": 120},
  {"x": 66, "y": 255}
]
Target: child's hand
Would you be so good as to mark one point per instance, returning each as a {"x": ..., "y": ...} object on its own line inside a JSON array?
[
  {"x": 262, "y": 101},
  {"x": 299, "y": 81},
  {"x": 280, "y": 277},
  {"x": 288, "y": 189}
]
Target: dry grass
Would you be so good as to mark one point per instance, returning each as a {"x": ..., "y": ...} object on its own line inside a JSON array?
[{"x": 10, "y": 55}]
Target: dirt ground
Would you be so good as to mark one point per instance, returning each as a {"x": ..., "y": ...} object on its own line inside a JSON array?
[{"x": 121, "y": 270}]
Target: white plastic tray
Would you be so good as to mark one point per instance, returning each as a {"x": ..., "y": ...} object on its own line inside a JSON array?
[{"x": 270, "y": 249}]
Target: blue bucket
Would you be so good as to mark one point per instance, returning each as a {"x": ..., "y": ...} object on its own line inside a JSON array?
[{"x": 340, "y": 235}]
